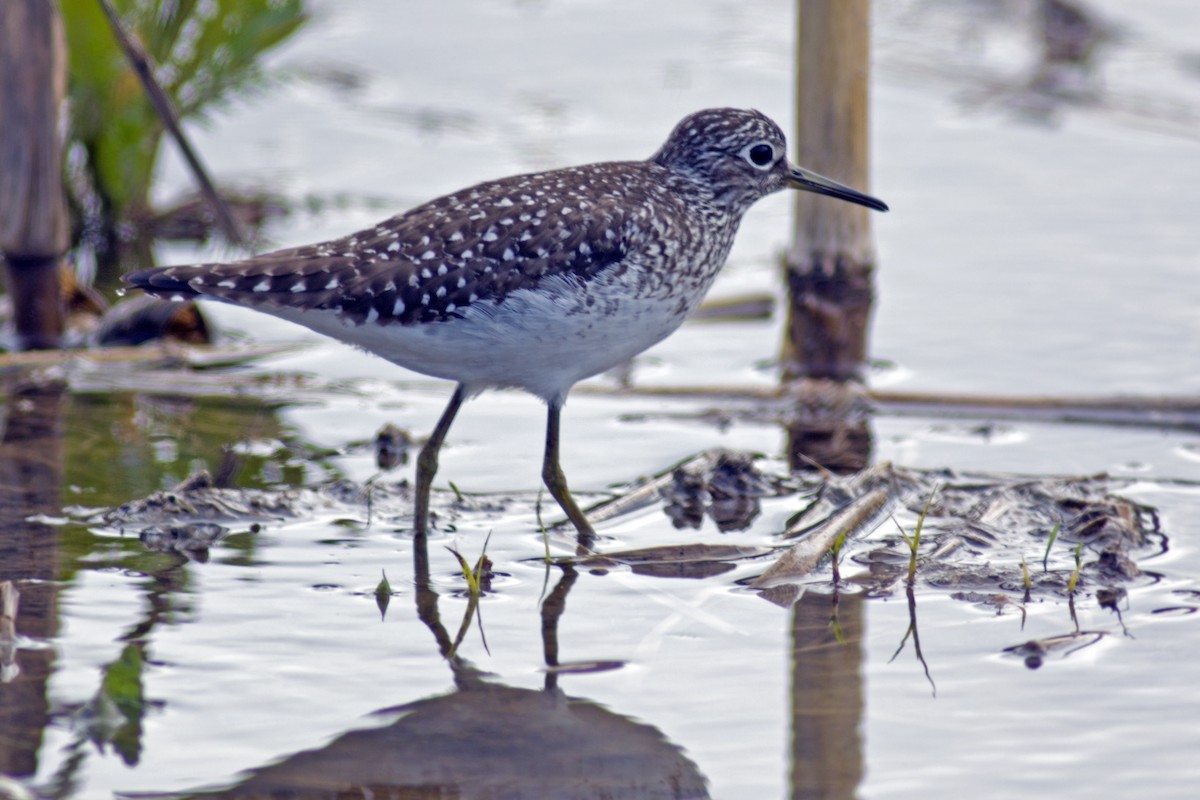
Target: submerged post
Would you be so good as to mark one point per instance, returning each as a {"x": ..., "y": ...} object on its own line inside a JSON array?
[
  {"x": 831, "y": 257},
  {"x": 33, "y": 212}
]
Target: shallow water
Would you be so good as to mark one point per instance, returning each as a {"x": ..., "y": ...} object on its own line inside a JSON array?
[
  {"x": 275, "y": 646},
  {"x": 1020, "y": 258}
]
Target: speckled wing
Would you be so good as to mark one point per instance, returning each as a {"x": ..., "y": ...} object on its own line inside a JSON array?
[{"x": 430, "y": 263}]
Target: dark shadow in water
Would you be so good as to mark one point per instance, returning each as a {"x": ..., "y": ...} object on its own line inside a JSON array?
[
  {"x": 31, "y": 477},
  {"x": 487, "y": 740}
]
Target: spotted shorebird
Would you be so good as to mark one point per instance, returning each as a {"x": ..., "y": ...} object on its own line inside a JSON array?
[{"x": 531, "y": 282}]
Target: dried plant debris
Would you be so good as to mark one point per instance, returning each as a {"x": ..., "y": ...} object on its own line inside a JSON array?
[
  {"x": 1035, "y": 651},
  {"x": 721, "y": 484},
  {"x": 198, "y": 499},
  {"x": 985, "y": 538},
  {"x": 979, "y": 529},
  {"x": 727, "y": 488},
  {"x": 191, "y": 540},
  {"x": 391, "y": 447},
  {"x": 859, "y": 514},
  {"x": 144, "y": 319}
]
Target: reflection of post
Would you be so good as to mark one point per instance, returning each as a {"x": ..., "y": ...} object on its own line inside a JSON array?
[
  {"x": 31, "y": 469},
  {"x": 828, "y": 426},
  {"x": 827, "y": 696}
]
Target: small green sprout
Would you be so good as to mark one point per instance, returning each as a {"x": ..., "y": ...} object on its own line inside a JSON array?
[
  {"x": 473, "y": 575},
  {"x": 1049, "y": 544},
  {"x": 835, "y": 552},
  {"x": 383, "y": 594},
  {"x": 1074, "y": 579},
  {"x": 914, "y": 542}
]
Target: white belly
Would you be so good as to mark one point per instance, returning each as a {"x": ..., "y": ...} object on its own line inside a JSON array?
[{"x": 542, "y": 341}]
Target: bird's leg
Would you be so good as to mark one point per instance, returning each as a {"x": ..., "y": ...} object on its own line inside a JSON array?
[
  {"x": 427, "y": 462},
  {"x": 556, "y": 482}
]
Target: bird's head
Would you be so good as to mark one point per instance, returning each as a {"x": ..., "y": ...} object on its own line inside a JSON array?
[{"x": 741, "y": 154}]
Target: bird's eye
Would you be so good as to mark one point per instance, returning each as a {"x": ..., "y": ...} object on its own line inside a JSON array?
[{"x": 760, "y": 155}]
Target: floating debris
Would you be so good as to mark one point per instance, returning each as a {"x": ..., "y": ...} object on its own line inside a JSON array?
[
  {"x": 981, "y": 532},
  {"x": 391, "y": 447},
  {"x": 726, "y": 487},
  {"x": 191, "y": 540}
]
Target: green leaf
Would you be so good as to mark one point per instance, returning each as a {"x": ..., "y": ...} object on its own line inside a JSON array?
[
  {"x": 1049, "y": 544},
  {"x": 383, "y": 595}
]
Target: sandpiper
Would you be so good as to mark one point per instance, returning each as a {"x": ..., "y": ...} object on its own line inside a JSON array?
[{"x": 530, "y": 282}]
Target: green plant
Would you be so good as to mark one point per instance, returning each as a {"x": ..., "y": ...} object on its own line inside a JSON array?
[
  {"x": 914, "y": 541},
  {"x": 473, "y": 575},
  {"x": 835, "y": 554},
  {"x": 1074, "y": 579},
  {"x": 1049, "y": 544},
  {"x": 204, "y": 51}
]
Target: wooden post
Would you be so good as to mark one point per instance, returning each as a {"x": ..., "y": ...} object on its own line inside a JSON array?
[
  {"x": 830, "y": 261},
  {"x": 831, "y": 258},
  {"x": 33, "y": 211}
]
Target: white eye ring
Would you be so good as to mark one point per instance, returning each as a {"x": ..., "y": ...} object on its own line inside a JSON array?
[{"x": 760, "y": 155}]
